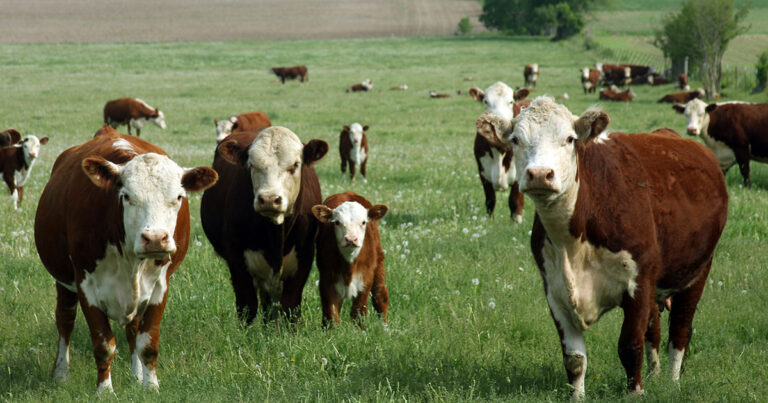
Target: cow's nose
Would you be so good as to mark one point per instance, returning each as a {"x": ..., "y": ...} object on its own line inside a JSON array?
[
  {"x": 350, "y": 240},
  {"x": 33, "y": 155},
  {"x": 271, "y": 202},
  {"x": 540, "y": 177},
  {"x": 693, "y": 131},
  {"x": 155, "y": 240}
]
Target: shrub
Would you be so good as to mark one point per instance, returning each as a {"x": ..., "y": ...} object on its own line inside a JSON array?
[
  {"x": 761, "y": 70},
  {"x": 465, "y": 26}
]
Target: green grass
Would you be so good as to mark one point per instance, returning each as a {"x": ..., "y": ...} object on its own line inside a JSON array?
[{"x": 446, "y": 341}]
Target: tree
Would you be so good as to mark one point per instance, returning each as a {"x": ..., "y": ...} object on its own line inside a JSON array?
[
  {"x": 465, "y": 26},
  {"x": 761, "y": 71},
  {"x": 564, "y": 18}
]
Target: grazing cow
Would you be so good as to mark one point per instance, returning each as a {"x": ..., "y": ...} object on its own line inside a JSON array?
[
  {"x": 613, "y": 94},
  {"x": 682, "y": 97},
  {"x": 291, "y": 73},
  {"x": 9, "y": 137},
  {"x": 132, "y": 112},
  {"x": 258, "y": 217},
  {"x": 682, "y": 82},
  {"x": 349, "y": 256},
  {"x": 621, "y": 220},
  {"x": 589, "y": 79},
  {"x": 734, "y": 131},
  {"x": 434, "y": 94},
  {"x": 401, "y": 87},
  {"x": 244, "y": 122},
  {"x": 111, "y": 227},
  {"x": 494, "y": 160},
  {"x": 16, "y": 163},
  {"x": 531, "y": 74},
  {"x": 366, "y": 85},
  {"x": 353, "y": 149}
]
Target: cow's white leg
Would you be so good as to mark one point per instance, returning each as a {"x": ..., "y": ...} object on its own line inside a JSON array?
[
  {"x": 574, "y": 348},
  {"x": 105, "y": 386},
  {"x": 652, "y": 358},
  {"x": 15, "y": 198},
  {"x": 61, "y": 366},
  {"x": 149, "y": 375},
  {"x": 675, "y": 361},
  {"x": 136, "y": 366}
]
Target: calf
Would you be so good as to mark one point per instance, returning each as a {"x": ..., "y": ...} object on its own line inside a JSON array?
[
  {"x": 353, "y": 149},
  {"x": 111, "y": 227},
  {"x": 132, "y": 112},
  {"x": 494, "y": 160},
  {"x": 244, "y": 122},
  {"x": 349, "y": 256},
  {"x": 366, "y": 85},
  {"x": 682, "y": 97},
  {"x": 291, "y": 73},
  {"x": 589, "y": 79},
  {"x": 531, "y": 74},
  {"x": 16, "y": 163},
  {"x": 9, "y": 137},
  {"x": 613, "y": 94},
  {"x": 734, "y": 131},
  {"x": 682, "y": 82},
  {"x": 621, "y": 220},
  {"x": 434, "y": 94},
  {"x": 258, "y": 217}
]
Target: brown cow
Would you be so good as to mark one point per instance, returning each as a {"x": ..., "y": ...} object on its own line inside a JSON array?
[
  {"x": 366, "y": 85},
  {"x": 531, "y": 75},
  {"x": 639, "y": 74},
  {"x": 9, "y": 137},
  {"x": 615, "y": 75},
  {"x": 589, "y": 79},
  {"x": 111, "y": 227},
  {"x": 621, "y": 220},
  {"x": 244, "y": 122},
  {"x": 16, "y": 163},
  {"x": 291, "y": 73},
  {"x": 349, "y": 256},
  {"x": 132, "y": 112},
  {"x": 258, "y": 217},
  {"x": 682, "y": 82},
  {"x": 435, "y": 94},
  {"x": 353, "y": 149},
  {"x": 613, "y": 94},
  {"x": 682, "y": 97}
]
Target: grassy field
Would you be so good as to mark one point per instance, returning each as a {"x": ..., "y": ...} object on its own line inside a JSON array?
[{"x": 468, "y": 318}]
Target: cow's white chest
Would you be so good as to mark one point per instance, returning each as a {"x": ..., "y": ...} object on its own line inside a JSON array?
[
  {"x": 587, "y": 281},
  {"x": 493, "y": 170},
  {"x": 138, "y": 123},
  {"x": 20, "y": 177},
  {"x": 357, "y": 154},
  {"x": 724, "y": 154},
  {"x": 261, "y": 271},
  {"x": 123, "y": 286},
  {"x": 352, "y": 289}
]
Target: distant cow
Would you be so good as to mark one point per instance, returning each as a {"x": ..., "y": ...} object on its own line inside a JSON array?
[
  {"x": 658, "y": 79},
  {"x": 244, "y": 122},
  {"x": 435, "y": 94},
  {"x": 111, "y": 227},
  {"x": 613, "y": 94},
  {"x": 132, "y": 112},
  {"x": 494, "y": 160},
  {"x": 736, "y": 132},
  {"x": 682, "y": 97},
  {"x": 291, "y": 73},
  {"x": 349, "y": 256},
  {"x": 353, "y": 149},
  {"x": 682, "y": 82},
  {"x": 621, "y": 220},
  {"x": 259, "y": 219},
  {"x": 639, "y": 74},
  {"x": 401, "y": 87},
  {"x": 9, "y": 137},
  {"x": 589, "y": 79},
  {"x": 366, "y": 85},
  {"x": 16, "y": 163},
  {"x": 531, "y": 75},
  {"x": 616, "y": 75}
]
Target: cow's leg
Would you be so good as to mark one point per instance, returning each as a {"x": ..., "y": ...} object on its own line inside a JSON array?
[
  {"x": 246, "y": 300},
  {"x": 379, "y": 292},
  {"x": 362, "y": 169},
  {"x": 131, "y": 330},
  {"x": 293, "y": 287},
  {"x": 742, "y": 158},
  {"x": 15, "y": 197},
  {"x": 66, "y": 311},
  {"x": 21, "y": 194},
  {"x": 573, "y": 347},
  {"x": 631, "y": 342},
  {"x": 148, "y": 340},
  {"x": 360, "y": 306},
  {"x": 680, "y": 320},
  {"x": 652, "y": 340},
  {"x": 490, "y": 196},
  {"x": 343, "y": 166},
  {"x": 352, "y": 166},
  {"x": 516, "y": 203},
  {"x": 330, "y": 301},
  {"x": 103, "y": 342}
]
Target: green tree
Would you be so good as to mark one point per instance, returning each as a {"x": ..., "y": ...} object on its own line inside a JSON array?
[
  {"x": 563, "y": 18},
  {"x": 761, "y": 71},
  {"x": 465, "y": 26}
]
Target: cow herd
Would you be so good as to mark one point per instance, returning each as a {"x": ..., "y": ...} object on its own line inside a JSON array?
[{"x": 622, "y": 220}]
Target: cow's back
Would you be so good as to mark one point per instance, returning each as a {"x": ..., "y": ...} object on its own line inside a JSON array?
[
  {"x": 251, "y": 121},
  {"x": 741, "y": 124}
]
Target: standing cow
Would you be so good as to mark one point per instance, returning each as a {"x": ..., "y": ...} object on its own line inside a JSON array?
[
  {"x": 621, "y": 220},
  {"x": 132, "y": 112},
  {"x": 112, "y": 226},
  {"x": 531, "y": 75},
  {"x": 589, "y": 79},
  {"x": 259, "y": 219},
  {"x": 291, "y": 73},
  {"x": 353, "y": 149},
  {"x": 16, "y": 163},
  {"x": 244, "y": 122},
  {"x": 9, "y": 137}
]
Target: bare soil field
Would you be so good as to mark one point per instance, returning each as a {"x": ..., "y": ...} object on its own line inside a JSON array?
[{"x": 31, "y": 21}]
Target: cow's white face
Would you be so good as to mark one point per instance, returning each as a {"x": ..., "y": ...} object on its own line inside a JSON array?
[
  {"x": 695, "y": 116},
  {"x": 224, "y": 128},
  {"x": 159, "y": 121},
  {"x": 585, "y": 73},
  {"x": 31, "y": 146},
  {"x": 500, "y": 99},
  {"x": 350, "y": 220},
  {"x": 368, "y": 84},
  {"x": 356, "y": 134}
]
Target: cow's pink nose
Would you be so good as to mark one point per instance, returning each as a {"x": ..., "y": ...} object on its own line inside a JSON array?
[
  {"x": 350, "y": 240},
  {"x": 33, "y": 155},
  {"x": 693, "y": 131},
  {"x": 271, "y": 202},
  {"x": 539, "y": 177},
  {"x": 155, "y": 241}
]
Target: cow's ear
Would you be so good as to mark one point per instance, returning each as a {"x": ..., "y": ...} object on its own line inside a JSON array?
[
  {"x": 590, "y": 124},
  {"x": 215, "y": 122},
  {"x": 198, "y": 179},
  {"x": 44, "y": 140},
  {"x": 233, "y": 152},
  {"x": 494, "y": 128},
  {"x": 477, "y": 94},
  {"x": 322, "y": 213},
  {"x": 521, "y": 94},
  {"x": 314, "y": 151},
  {"x": 678, "y": 108},
  {"x": 101, "y": 172},
  {"x": 377, "y": 212},
  {"x": 345, "y": 128},
  {"x": 710, "y": 108},
  {"x": 365, "y": 128}
]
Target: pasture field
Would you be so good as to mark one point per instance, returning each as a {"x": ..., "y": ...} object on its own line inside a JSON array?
[{"x": 468, "y": 318}]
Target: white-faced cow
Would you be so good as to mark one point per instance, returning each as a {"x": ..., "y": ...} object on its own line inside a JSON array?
[
  {"x": 349, "y": 256},
  {"x": 494, "y": 159},
  {"x": 353, "y": 149},
  {"x": 621, "y": 220},
  {"x": 736, "y": 132},
  {"x": 435, "y": 94},
  {"x": 244, "y": 122},
  {"x": 682, "y": 82},
  {"x": 16, "y": 163},
  {"x": 531, "y": 75},
  {"x": 132, "y": 112},
  {"x": 366, "y": 85},
  {"x": 111, "y": 227},
  {"x": 258, "y": 217},
  {"x": 589, "y": 79}
]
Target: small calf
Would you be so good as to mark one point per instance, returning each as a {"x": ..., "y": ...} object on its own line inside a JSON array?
[
  {"x": 366, "y": 85},
  {"x": 16, "y": 163},
  {"x": 682, "y": 82},
  {"x": 683, "y": 97},
  {"x": 132, "y": 112},
  {"x": 531, "y": 74},
  {"x": 589, "y": 79},
  {"x": 613, "y": 94},
  {"x": 434, "y": 94},
  {"x": 353, "y": 148},
  {"x": 244, "y": 122},
  {"x": 9, "y": 137},
  {"x": 350, "y": 258}
]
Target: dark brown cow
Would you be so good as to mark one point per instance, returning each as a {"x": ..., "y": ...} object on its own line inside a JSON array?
[
  {"x": 365, "y": 86},
  {"x": 258, "y": 217},
  {"x": 613, "y": 94},
  {"x": 111, "y": 227},
  {"x": 682, "y": 82},
  {"x": 291, "y": 73},
  {"x": 682, "y": 97},
  {"x": 531, "y": 75},
  {"x": 16, "y": 163},
  {"x": 621, "y": 220},
  {"x": 590, "y": 79},
  {"x": 353, "y": 149},
  {"x": 658, "y": 79},
  {"x": 9, "y": 137},
  {"x": 639, "y": 74},
  {"x": 244, "y": 122},
  {"x": 349, "y": 256},
  {"x": 435, "y": 94},
  {"x": 615, "y": 75},
  {"x": 132, "y": 112}
]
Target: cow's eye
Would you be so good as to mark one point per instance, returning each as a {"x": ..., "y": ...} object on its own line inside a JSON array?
[
  {"x": 293, "y": 168},
  {"x": 337, "y": 223},
  {"x": 179, "y": 198},
  {"x": 365, "y": 223},
  {"x": 126, "y": 198},
  {"x": 571, "y": 139},
  {"x": 515, "y": 141}
]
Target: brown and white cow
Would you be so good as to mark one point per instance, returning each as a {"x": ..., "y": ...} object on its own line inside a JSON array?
[
  {"x": 682, "y": 82},
  {"x": 244, "y": 122},
  {"x": 291, "y": 73},
  {"x": 613, "y": 94},
  {"x": 132, "y": 112},
  {"x": 621, "y": 220},
  {"x": 589, "y": 79},
  {"x": 616, "y": 75},
  {"x": 531, "y": 75},
  {"x": 111, "y": 227},
  {"x": 366, "y": 85},
  {"x": 9, "y": 137},
  {"x": 682, "y": 97},
  {"x": 258, "y": 217},
  {"x": 16, "y": 163},
  {"x": 435, "y": 94},
  {"x": 736, "y": 132},
  {"x": 353, "y": 149},
  {"x": 349, "y": 256},
  {"x": 639, "y": 74},
  {"x": 494, "y": 160}
]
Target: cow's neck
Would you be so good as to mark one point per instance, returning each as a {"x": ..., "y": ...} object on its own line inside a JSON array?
[
  {"x": 24, "y": 160},
  {"x": 556, "y": 217}
]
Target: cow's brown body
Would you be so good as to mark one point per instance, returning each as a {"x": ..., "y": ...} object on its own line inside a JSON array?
[
  {"x": 531, "y": 75},
  {"x": 291, "y": 73},
  {"x": 251, "y": 122},
  {"x": 346, "y": 147},
  {"x": 122, "y": 111},
  {"x": 9, "y": 137},
  {"x": 611, "y": 94},
  {"x": 16, "y": 163},
  {"x": 681, "y": 97},
  {"x": 682, "y": 82},
  {"x": 614, "y": 74},
  {"x": 590, "y": 82}
]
